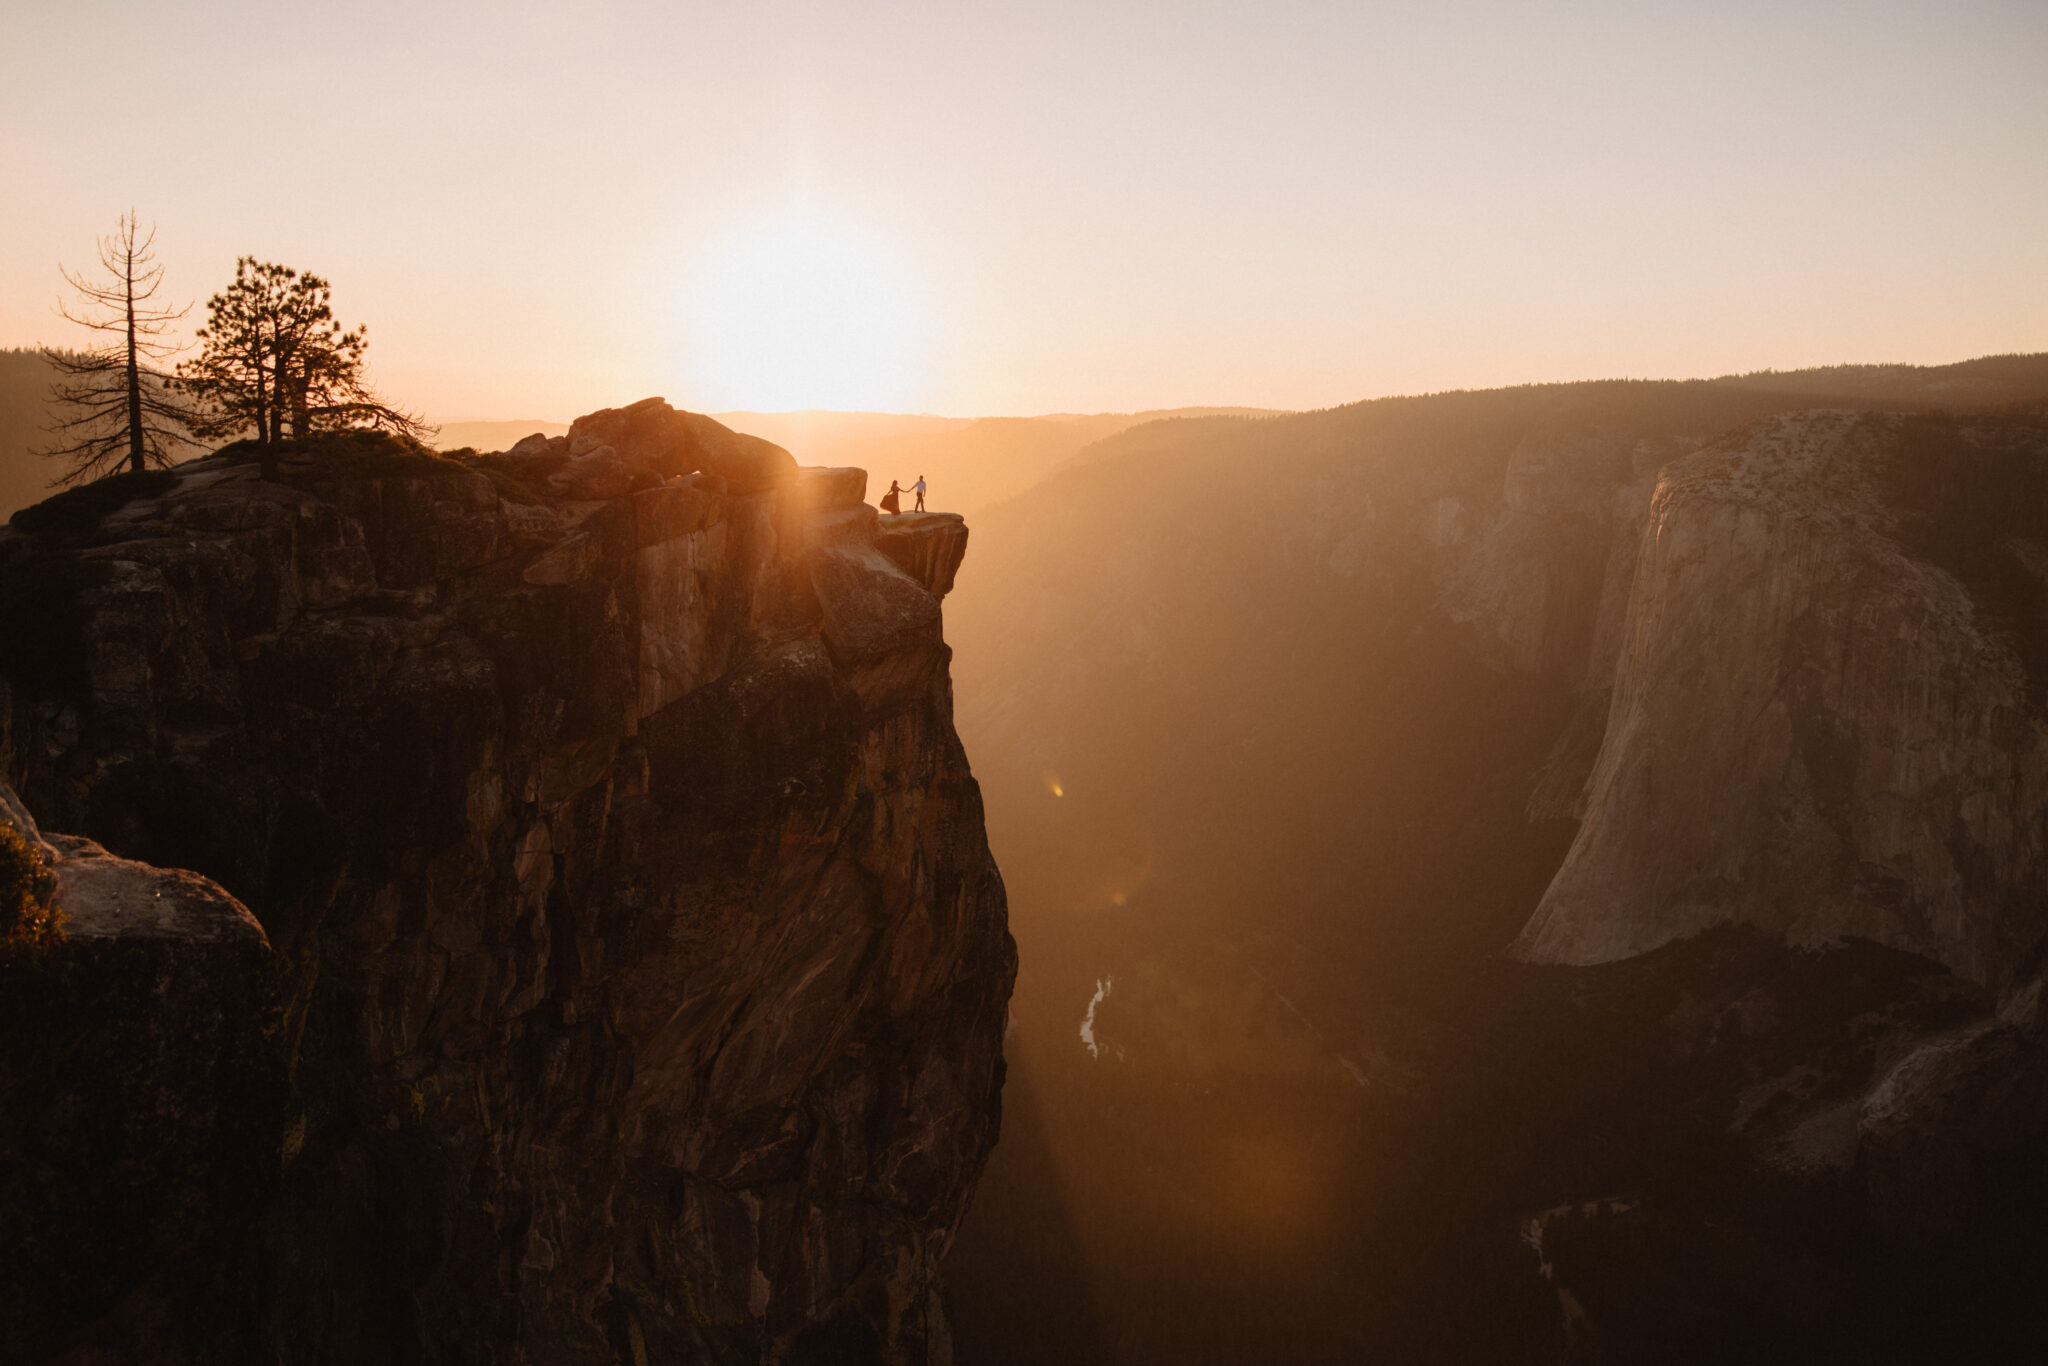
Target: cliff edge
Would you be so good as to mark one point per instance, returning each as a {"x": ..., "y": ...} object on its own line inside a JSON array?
[{"x": 641, "y": 960}]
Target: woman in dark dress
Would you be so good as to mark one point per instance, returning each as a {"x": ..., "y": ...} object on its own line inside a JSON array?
[{"x": 891, "y": 501}]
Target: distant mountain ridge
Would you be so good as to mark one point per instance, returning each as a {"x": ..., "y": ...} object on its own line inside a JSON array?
[
  {"x": 1985, "y": 381},
  {"x": 491, "y": 434},
  {"x": 973, "y": 462},
  {"x": 1074, "y": 581},
  {"x": 25, "y": 379},
  {"x": 25, "y": 476}
]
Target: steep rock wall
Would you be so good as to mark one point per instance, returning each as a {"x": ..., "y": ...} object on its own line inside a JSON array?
[
  {"x": 1826, "y": 719},
  {"x": 643, "y": 958}
]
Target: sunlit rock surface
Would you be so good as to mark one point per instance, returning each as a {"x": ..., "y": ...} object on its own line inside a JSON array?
[
  {"x": 650, "y": 435},
  {"x": 644, "y": 964},
  {"x": 1824, "y": 721}
]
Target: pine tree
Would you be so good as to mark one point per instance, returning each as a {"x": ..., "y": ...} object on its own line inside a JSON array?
[
  {"x": 115, "y": 407},
  {"x": 275, "y": 364}
]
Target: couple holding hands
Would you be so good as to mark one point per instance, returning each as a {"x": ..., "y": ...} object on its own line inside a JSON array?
[{"x": 892, "y": 501}]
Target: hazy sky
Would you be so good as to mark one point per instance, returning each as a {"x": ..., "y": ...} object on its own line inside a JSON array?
[{"x": 540, "y": 209}]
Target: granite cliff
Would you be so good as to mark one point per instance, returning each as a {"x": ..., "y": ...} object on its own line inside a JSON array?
[
  {"x": 1826, "y": 710},
  {"x": 639, "y": 965},
  {"x": 1716, "y": 703},
  {"x": 1825, "y": 720}
]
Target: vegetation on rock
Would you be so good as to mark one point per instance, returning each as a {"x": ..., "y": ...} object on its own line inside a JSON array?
[
  {"x": 361, "y": 452},
  {"x": 27, "y": 921},
  {"x": 85, "y": 507},
  {"x": 276, "y": 361}
]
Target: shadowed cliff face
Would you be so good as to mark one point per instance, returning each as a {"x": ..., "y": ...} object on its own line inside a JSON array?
[
  {"x": 142, "y": 1101},
  {"x": 1824, "y": 718},
  {"x": 643, "y": 961},
  {"x": 1297, "y": 723}
]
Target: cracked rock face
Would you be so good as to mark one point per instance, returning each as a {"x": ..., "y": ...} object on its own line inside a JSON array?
[{"x": 642, "y": 960}]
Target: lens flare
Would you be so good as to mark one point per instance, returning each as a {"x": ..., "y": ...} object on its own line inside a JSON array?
[{"x": 806, "y": 312}]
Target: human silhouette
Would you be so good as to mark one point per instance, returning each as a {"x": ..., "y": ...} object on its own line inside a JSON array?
[
  {"x": 918, "y": 489},
  {"x": 892, "y": 501}
]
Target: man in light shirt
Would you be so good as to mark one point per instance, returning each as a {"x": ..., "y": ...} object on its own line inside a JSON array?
[{"x": 918, "y": 489}]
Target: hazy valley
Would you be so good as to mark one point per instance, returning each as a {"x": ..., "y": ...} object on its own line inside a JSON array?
[
  {"x": 1531, "y": 874},
  {"x": 1097, "y": 685},
  {"x": 1290, "y": 729}
]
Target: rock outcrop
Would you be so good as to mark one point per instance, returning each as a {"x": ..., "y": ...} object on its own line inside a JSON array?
[
  {"x": 925, "y": 545},
  {"x": 142, "y": 1106},
  {"x": 1828, "y": 722},
  {"x": 1826, "y": 716},
  {"x": 642, "y": 960}
]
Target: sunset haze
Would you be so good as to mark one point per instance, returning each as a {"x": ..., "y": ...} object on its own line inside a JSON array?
[
  {"x": 1045, "y": 684},
  {"x": 542, "y": 208}
]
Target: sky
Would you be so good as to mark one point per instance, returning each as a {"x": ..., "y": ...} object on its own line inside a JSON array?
[{"x": 542, "y": 209}]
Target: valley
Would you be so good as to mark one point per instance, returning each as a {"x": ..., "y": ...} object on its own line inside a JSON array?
[
  {"x": 1526, "y": 875},
  {"x": 1294, "y": 759}
]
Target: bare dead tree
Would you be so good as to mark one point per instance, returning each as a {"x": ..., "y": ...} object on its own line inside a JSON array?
[{"x": 115, "y": 407}]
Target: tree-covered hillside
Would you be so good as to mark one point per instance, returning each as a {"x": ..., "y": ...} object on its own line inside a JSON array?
[
  {"x": 25, "y": 477},
  {"x": 24, "y": 387}
]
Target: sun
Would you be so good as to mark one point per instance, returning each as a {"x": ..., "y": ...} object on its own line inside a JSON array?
[{"x": 804, "y": 312}]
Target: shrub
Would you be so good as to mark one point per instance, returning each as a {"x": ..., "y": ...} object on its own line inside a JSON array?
[
  {"x": 82, "y": 509},
  {"x": 28, "y": 922},
  {"x": 354, "y": 451}
]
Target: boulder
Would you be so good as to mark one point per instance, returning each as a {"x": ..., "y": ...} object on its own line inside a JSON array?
[
  {"x": 824, "y": 488},
  {"x": 143, "y": 1117},
  {"x": 747, "y": 463},
  {"x": 653, "y": 436},
  {"x": 598, "y": 474}
]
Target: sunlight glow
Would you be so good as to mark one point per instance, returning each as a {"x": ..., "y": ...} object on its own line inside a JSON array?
[{"x": 805, "y": 312}]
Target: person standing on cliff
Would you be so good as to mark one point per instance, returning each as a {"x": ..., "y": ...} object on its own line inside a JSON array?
[
  {"x": 892, "y": 501},
  {"x": 918, "y": 489}
]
